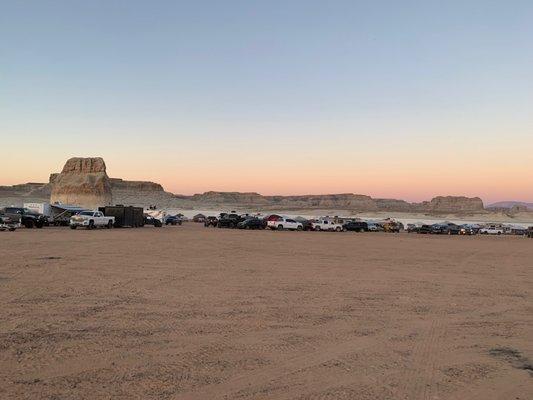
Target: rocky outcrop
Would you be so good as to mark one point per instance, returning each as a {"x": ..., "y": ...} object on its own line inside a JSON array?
[
  {"x": 347, "y": 201},
  {"x": 451, "y": 205},
  {"x": 140, "y": 193},
  {"x": 228, "y": 198},
  {"x": 343, "y": 201},
  {"x": 84, "y": 182}
]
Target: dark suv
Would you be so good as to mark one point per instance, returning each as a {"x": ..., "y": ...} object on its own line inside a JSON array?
[
  {"x": 357, "y": 226},
  {"x": 173, "y": 220},
  {"x": 251, "y": 223},
  {"x": 229, "y": 220},
  {"x": 26, "y": 217},
  {"x": 211, "y": 221}
]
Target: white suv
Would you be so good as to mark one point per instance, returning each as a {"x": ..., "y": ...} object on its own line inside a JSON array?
[
  {"x": 327, "y": 225},
  {"x": 285, "y": 223},
  {"x": 491, "y": 230}
]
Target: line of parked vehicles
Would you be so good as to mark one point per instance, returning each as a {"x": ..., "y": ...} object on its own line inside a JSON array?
[
  {"x": 278, "y": 222},
  {"x": 108, "y": 217},
  {"x": 127, "y": 216}
]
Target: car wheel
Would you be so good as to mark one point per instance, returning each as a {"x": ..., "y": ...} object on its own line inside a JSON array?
[
  {"x": 317, "y": 228},
  {"x": 109, "y": 224},
  {"x": 91, "y": 225},
  {"x": 299, "y": 228},
  {"x": 28, "y": 224},
  {"x": 280, "y": 227},
  {"x": 338, "y": 229},
  {"x": 73, "y": 226}
]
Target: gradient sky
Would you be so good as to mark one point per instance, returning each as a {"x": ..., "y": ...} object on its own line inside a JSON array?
[{"x": 404, "y": 99}]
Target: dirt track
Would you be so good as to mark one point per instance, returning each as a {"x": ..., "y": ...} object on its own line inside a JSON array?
[{"x": 195, "y": 313}]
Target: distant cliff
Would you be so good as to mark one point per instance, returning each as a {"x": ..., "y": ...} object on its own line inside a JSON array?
[{"x": 343, "y": 201}]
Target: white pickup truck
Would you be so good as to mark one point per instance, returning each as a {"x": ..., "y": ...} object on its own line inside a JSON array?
[
  {"x": 492, "y": 230},
  {"x": 285, "y": 223},
  {"x": 326, "y": 225},
  {"x": 91, "y": 220}
]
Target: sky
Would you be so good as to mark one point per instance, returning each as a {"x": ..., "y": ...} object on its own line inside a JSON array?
[{"x": 407, "y": 99}]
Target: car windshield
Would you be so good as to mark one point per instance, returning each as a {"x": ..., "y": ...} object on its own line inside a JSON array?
[{"x": 89, "y": 213}]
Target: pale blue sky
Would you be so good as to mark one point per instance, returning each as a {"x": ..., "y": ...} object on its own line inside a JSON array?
[{"x": 335, "y": 82}]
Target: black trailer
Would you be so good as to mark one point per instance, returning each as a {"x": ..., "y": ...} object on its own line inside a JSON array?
[{"x": 125, "y": 216}]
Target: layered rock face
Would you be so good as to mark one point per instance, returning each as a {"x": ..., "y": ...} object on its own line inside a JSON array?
[
  {"x": 140, "y": 193},
  {"x": 84, "y": 182},
  {"x": 452, "y": 205}
]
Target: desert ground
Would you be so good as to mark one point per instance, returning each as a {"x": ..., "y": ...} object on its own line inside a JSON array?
[{"x": 200, "y": 313}]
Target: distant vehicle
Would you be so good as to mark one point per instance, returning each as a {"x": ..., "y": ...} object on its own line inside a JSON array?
[
  {"x": 439, "y": 229},
  {"x": 91, "y": 220},
  {"x": 7, "y": 223},
  {"x": 251, "y": 223},
  {"x": 516, "y": 230},
  {"x": 285, "y": 223},
  {"x": 467, "y": 230},
  {"x": 211, "y": 221},
  {"x": 27, "y": 218},
  {"x": 392, "y": 226},
  {"x": 453, "y": 229},
  {"x": 151, "y": 220},
  {"x": 357, "y": 226},
  {"x": 173, "y": 220},
  {"x": 425, "y": 229},
  {"x": 530, "y": 232},
  {"x": 491, "y": 230},
  {"x": 326, "y": 225},
  {"x": 374, "y": 227},
  {"x": 199, "y": 218},
  {"x": 229, "y": 220},
  {"x": 412, "y": 228}
]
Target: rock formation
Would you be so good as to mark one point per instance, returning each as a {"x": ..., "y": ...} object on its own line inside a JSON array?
[
  {"x": 83, "y": 181},
  {"x": 451, "y": 205}
]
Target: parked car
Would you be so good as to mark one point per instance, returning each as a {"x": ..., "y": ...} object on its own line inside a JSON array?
[
  {"x": 467, "y": 230},
  {"x": 211, "y": 221},
  {"x": 199, "y": 218},
  {"x": 453, "y": 229},
  {"x": 326, "y": 225},
  {"x": 7, "y": 223},
  {"x": 425, "y": 229},
  {"x": 374, "y": 227},
  {"x": 285, "y": 223},
  {"x": 229, "y": 220},
  {"x": 491, "y": 230},
  {"x": 357, "y": 226},
  {"x": 392, "y": 226},
  {"x": 151, "y": 220},
  {"x": 251, "y": 223},
  {"x": 412, "y": 228},
  {"x": 91, "y": 220},
  {"x": 27, "y": 218},
  {"x": 173, "y": 220},
  {"x": 307, "y": 225}
]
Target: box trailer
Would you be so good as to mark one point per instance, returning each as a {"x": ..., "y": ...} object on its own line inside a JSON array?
[
  {"x": 125, "y": 216},
  {"x": 40, "y": 208}
]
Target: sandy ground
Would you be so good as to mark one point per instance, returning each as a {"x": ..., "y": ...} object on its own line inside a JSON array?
[{"x": 196, "y": 313}]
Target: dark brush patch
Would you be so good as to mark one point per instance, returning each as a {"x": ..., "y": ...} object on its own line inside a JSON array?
[{"x": 514, "y": 357}]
